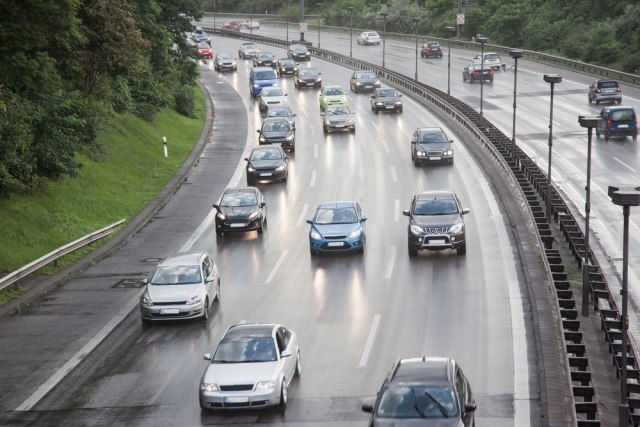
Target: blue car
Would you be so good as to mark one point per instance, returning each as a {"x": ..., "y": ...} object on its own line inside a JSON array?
[
  {"x": 337, "y": 227},
  {"x": 260, "y": 77}
]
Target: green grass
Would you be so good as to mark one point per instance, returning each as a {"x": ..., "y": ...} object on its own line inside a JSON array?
[
  {"x": 131, "y": 173},
  {"x": 10, "y": 293}
]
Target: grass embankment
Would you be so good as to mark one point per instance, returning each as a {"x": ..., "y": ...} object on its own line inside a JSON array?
[{"x": 130, "y": 174}]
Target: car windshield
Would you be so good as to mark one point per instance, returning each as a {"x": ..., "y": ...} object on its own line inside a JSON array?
[
  {"x": 307, "y": 72},
  {"x": 279, "y": 126},
  {"x": 266, "y": 155},
  {"x": 271, "y": 92},
  {"x": 417, "y": 402},
  {"x": 279, "y": 112},
  {"x": 333, "y": 91},
  {"x": 366, "y": 75},
  {"x": 224, "y": 56},
  {"x": 245, "y": 350},
  {"x": 203, "y": 46},
  {"x": 386, "y": 92},
  {"x": 234, "y": 200},
  {"x": 435, "y": 207},
  {"x": 299, "y": 49},
  {"x": 336, "y": 216},
  {"x": 608, "y": 85},
  {"x": 622, "y": 115},
  {"x": 339, "y": 110},
  {"x": 428, "y": 138},
  {"x": 177, "y": 275},
  {"x": 249, "y": 46},
  {"x": 265, "y": 56},
  {"x": 491, "y": 57},
  {"x": 265, "y": 75}
]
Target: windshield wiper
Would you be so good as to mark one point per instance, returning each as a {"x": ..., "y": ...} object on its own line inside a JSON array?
[
  {"x": 438, "y": 404},
  {"x": 415, "y": 404}
]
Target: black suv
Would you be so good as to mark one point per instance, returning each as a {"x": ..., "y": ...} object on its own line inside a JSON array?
[
  {"x": 436, "y": 222},
  {"x": 605, "y": 90},
  {"x": 425, "y": 391},
  {"x": 278, "y": 130},
  {"x": 386, "y": 99}
]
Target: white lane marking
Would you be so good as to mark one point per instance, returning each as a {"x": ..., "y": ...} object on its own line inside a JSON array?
[
  {"x": 625, "y": 165},
  {"x": 375, "y": 125},
  {"x": 206, "y": 223},
  {"x": 391, "y": 262},
  {"x": 370, "y": 339},
  {"x": 303, "y": 214},
  {"x": 313, "y": 178},
  {"x": 394, "y": 176},
  {"x": 315, "y": 150},
  {"x": 313, "y": 130},
  {"x": 386, "y": 147},
  {"x": 242, "y": 322},
  {"x": 276, "y": 267},
  {"x": 48, "y": 385},
  {"x": 396, "y": 210}
]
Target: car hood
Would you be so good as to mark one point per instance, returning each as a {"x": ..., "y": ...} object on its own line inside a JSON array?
[
  {"x": 367, "y": 81},
  {"x": 237, "y": 211},
  {"x": 436, "y": 220},
  {"x": 266, "y": 164},
  {"x": 265, "y": 83},
  {"x": 273, "y": 99},
  {"x": 339, "y": 118},
  {"x": 335, "y": 229},
  {"x": 240, "y": 373},
  {"x": 335, "y": 98},
  {"x": 172, "y": 293},
  {"x": 388, "y": 99},
  {"x": 431, "y": 422},
  {"x": 433, "y": 146}
]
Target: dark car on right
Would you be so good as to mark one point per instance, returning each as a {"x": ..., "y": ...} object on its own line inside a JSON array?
[
  {"x": 431, "y": 145},
  {"x": 266, "y": 163},
  {"x": 298, "y": 52},
  {"x": 436, "y": 222},
  {"x": 618, "y": 121},
  {"x": 431, "y": 50},
  {"x": 476, "y": 72},
  {"x": 424, "y": 391},
  {"x": 605, "y": 90},
  {"x": 307, "y": 77},
  {"x": 278, "y": 130}
]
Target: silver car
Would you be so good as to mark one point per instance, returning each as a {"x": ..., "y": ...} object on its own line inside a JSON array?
[
  {"x": 338, "y": 118},
  {"x": 271, "y": 96},
  {"x": 183, "y": 287},
  {"x": 251, "y": 368}
]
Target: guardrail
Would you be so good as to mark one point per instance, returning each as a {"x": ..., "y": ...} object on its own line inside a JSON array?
[
  {"x": 13, "y": 277},
  {"x": 533, "y": 185}
]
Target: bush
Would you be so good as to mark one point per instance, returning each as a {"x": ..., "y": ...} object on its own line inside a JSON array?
[{"x": 184, "y": 100}]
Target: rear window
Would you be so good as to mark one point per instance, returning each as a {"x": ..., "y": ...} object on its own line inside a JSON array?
[
  {"x": 491, "y": 56},
  {"x": 622, "y": 115},
  {"x": 607, "y": 84}
]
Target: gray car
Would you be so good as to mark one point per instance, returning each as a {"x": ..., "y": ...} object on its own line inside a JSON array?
[
  {"x": 183, "y": 286},
  {"x": 386, "y": 99},
  {"x": 269, "y": 96},
  {"x": 251, "y": 368},
  {"x": 362, "y": 81},
  {"x": 431, "y": 145},
  {"x": 338, "y": 118},
  {"x": 248, "y": 50}
]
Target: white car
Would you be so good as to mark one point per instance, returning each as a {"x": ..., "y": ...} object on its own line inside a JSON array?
[
  {"x": 491, "y": 59},
  {"x": 248, "y": 24},
  {"x": 272, "y": 95},
  {"x": 368, "y": 37},
  {"x": 183, "y": 286},
  {"x": 252, "y": 367}
]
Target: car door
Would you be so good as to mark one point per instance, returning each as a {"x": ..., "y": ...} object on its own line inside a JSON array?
[
  {"x": 463, "y": 392},
  {"x": 283, "y": 336},
  {"x": 206, "y": 272}
]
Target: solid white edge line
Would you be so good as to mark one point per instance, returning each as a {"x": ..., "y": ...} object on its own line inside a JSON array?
[
  {"x": 276, "y": 267},
  {"x": 370, "y": 339},
  {"x": 303, "y": 214},
  {"x": 48, "y": 385},
  {"x": 390, "y": 262},
  {"x": 396, "y": 210},
  {"x": 312, "y": 182}
]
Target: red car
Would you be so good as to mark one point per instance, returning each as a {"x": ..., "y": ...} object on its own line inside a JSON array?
[
  {"x": 233, "y": 25},
  {"x": 204, "y": 50},
  {"x": 431, "y": 49}
]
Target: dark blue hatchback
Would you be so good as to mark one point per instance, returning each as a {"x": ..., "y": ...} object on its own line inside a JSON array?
[
  {"x": 337, "y": 227},
  {"x": 618, "y": 121}
]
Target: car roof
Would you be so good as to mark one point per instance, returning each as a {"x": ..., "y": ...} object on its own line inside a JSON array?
[
  {"x": 332, "y": 86},
  {"x": 430, "y": 130},
  {"x": 435, "y": 194},
  {"x": 337, "y": 204},
  {"x": 182, "y": 258},
  {"x": 424, "y": 370},
  {"x": 606, "y": 80},
  {"x": 262, "y": 69},
  {"x": 232, "y": 190},
  {"x": 248, "y": 44},
  {"x": 619, "y": 108},
  {"x": 267, "y": 148},
  {"x": 250, "y": 330}
]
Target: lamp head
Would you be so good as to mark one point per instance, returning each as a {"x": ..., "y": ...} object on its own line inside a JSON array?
[
  {"x": 626, "y": 195},
  {"x": 450, "y": 29},
  {"x": 351, "y": 8},
  {"x": 552, "y": 78},
  {"x": 481, "y": 39},
  {"x": 416, "y": 19},
  {"x": 516, "y": 53},
  {"x": 384, "y": 14},
  {"x": 588, "y": 121}
]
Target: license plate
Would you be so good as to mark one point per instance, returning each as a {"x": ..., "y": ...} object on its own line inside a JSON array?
[
  {"x": 435, "y": 158},
  {"x": 237, "y": 225},
  {"x": 623, "y": 126},
  {"x": 170, "y": 311},
  {"x": 266, "y": 174},
  {"x": 334, "y": 244},
  {"x": 389, "y": 107},
  {"x": 368, "y": 87},
  {"x": 235, "y": 399},
  {"x": 340, "y": 126},
  {"x": 437, "y": 242}
]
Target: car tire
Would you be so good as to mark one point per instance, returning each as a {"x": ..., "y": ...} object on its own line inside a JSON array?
[
  {"x": 619, "y": 101},
  {"x": 462, "y": 249},
  {"x": 219, "y": 233},
  {"x": 412, "y": 252},
  {"x": 146, "y": 322},
  {"x": 634, "y": 136},
  {"x": 283, "y": 398},
  {"x": 597, "y": 101},
  {"x": 261, "y": 228},
  {"x": 325, "y": 130},
  {"x": 590, "y": 99},
  {"x": 607, "y": 135},
  {"x": 400, "y": 110},
  {"x": 451, "y": 161},
  {"x": 205, "y": 310},
  {"x": 375, "y": 110},
  {"x": 298, "y": 371},
  {"x": 416, "y": 162},
  {"x": 251, "y": 183},
  {"x": 597, "y": 132}
]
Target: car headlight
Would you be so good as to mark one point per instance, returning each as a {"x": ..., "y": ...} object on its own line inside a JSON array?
[
  {"x": 265, "y": 385},
  {"x": 421, "y": 153},
  {"x": 350, "y": 122},
  {"x": 315, "y": 235},
  {"x": 262, "y": 138},
  {"x": 146, "y": 300},
  {"x": 251, "y": 169},
  {"x": 327, "y": 122},
  {"x": 194, "y": 300},
  {"x": 376, "y": 84},
  {"x": 280, "y": 168},
  {"x": 398, "y": 102},
  {"x": 319, "y": 79},
  {"x": 449, "y": 153},
  {"x": 254, "y": 215},
  {"x": 256, "y": 86},
  {"x": 355, "y": 233},
  {"x": 221, "y": 216},
  {"x": 295, "y": 68},
  {"x": 416, "y": 230},
  {"x": 209, "y": 387},
  {"x": 379, "y": 103},
  {"x": 358, "y": 84},
  {"x": 289, "y": 138},
  {"x": 456, "y": 228}
]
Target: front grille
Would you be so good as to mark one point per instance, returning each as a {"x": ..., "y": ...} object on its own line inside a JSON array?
[
  {"x": 310, "y": 82},
  {"x": 237, "y": 387},
  {"x": 170, "y": 303},
  {"x": 435, "y": 230},
  {"x": 434, "y": 153},
  {"x": 344, "y": 236}
]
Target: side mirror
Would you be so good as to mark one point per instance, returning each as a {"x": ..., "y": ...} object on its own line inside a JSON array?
[
  {"x": 207, "y": 356},
  {"x": 246, "y": 158},
  {"x": 294, "y": 115},
  {"x": 363, "y": 219},
  {"x": 309, "y": 221},
  {"x": 466, "y": 211},
  {"x": 367, "y": 404},
  {"x": 216, "y": 207},
  {"x": 470, "y": 407},
  {"x": 145, "y": 281},
  {"x": 322, "y": 114},
  {"x": 258, "y": 131},
  {"x": 405, "y": 212},
  {"x": 451, "y": 141},
  {"x": 285, "y": 353},
  {"x": 319, "y": 74},
  {"x": 210, "y": 278},
  {"x": 263, "y": 204}
]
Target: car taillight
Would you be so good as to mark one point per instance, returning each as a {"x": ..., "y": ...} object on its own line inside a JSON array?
[
  {"x": 609, "y": 123},
  {"x": 618, "y": 89},
  {"x": 491, "y": 71},
  {"x": 474, "y": 72}
]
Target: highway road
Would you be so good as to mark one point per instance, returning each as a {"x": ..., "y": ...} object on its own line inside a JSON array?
[{"x": 354, "y": 314}]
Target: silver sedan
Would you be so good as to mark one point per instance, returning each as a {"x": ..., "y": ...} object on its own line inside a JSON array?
[{"x": 251, "y": 368}]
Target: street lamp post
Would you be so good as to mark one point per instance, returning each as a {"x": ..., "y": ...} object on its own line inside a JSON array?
[
  {"x": 552, "y": 79},
  {"x": 287, "y": 20},
  {"x": 319, "y": 15},
  {"x": 515, "y": 54},
  {"x": 214, "y": 13},
  {"x": 589, "y": 123},
  {"x": 482, "y": 40},
  {"x": 626, "y": 197},
  {"x": 351, "y": 8},
  {"x": 449, "y": 31},
  {"x": 384, "y": 33},
  {"x": 416, "y": 20},
  {"x": 251, "y": 20},
  {"x": 301, "y": 20}
]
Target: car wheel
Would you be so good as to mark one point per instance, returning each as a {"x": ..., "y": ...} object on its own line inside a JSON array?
[
  {"x": 400, "y": 110},
  {"x": 412, "y": 252},
  {"x": 261, "y": 228},
  {"x": 607, "y": 135},
  {"x": 462, "y": 249},
  {"x": 283, "y": 397},
  {"x": 597, "y": 132},
  {"x": 353, "y": 130},
  {"x": 597, "y": 101},
  {"x": 251, "y": 183},
  {"x": 298, "y": 371},
  {"x": 205, "y": 310},
  {"x": 451, "y": 161},
  {"x": 416, "y": 162},
  {"x": 590, "y": 99},
  {"x": 145, "y": 321},
  {"x": 634, "y": 136},
  {"x": 218, "y": 232},
  {"x": 375, "y": 110},
  {"x": 619, "y": 101},
  {"x": 325, "y": 130}
]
